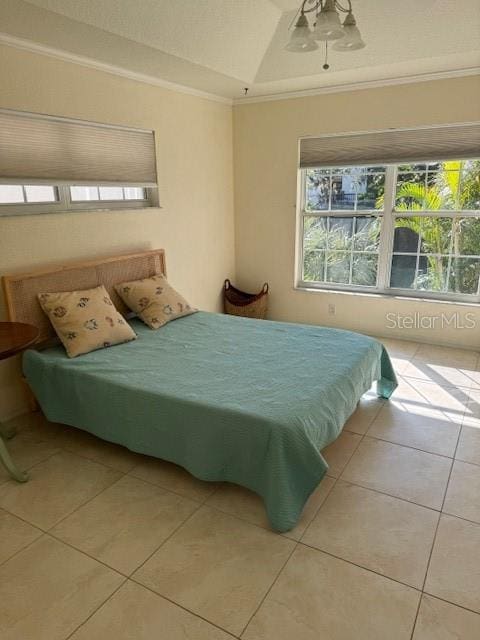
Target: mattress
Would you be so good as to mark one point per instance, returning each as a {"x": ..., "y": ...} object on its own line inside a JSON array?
[{"x": 251, "y": 402}]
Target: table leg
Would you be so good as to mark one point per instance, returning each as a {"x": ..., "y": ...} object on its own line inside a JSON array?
[{"x": 19, "y": 476}]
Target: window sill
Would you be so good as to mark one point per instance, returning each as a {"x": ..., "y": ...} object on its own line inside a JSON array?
[
  {"x": 386, "y": 296},
  {"x": 55, "y": 211}
]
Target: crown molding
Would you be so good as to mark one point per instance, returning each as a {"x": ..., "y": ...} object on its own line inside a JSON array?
[
  {"x": 358, "y": 86},
  {"x": 84, "y": 61},
  {"x": 34, "y": 47}
]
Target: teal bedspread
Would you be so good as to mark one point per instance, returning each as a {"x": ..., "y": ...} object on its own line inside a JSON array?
[{"x": 251, "y": 402}]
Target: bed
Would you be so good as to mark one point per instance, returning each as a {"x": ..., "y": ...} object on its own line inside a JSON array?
[{"x": 251, "y": 402}]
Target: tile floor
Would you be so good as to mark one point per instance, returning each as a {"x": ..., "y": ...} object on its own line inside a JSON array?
[{"x": 104, "y": 544}]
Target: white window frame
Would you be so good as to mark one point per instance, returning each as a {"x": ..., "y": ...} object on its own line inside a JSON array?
[
  {"x": 64, "y": 203},
  {"x": 385, "y": 251}
]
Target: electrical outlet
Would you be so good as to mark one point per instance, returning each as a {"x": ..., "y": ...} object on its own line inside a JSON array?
[{"x": 331, "y": 310}]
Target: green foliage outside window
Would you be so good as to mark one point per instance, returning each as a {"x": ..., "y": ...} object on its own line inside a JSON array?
[{"x": 438, "y": 253}]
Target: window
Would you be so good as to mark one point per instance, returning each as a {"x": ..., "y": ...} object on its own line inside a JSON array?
[
  {"x": 29, "y": 199},
  {"x": 405, "y": 229},
  {"x": 31, "y": 194},
  {"x": 105, "y": 194},
  {"x": 51, "y": 164}
]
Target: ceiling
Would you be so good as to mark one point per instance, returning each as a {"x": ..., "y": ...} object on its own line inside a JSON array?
[{"x": 222, "y": 46}]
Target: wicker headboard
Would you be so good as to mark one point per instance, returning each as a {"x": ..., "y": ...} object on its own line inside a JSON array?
[{"x": 21, "y": 289}]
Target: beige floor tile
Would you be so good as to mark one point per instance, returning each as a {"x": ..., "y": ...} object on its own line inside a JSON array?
[
  {"x": 27, "y": 448},
  {"x": 217, "y": 566},
  {"x": 475, "y": 378},
  {"x": 399, "y": 363},
  {"x": 248, "y": 506},
  {"x": 445, "y": 375},
  {"x": 366, "y": 411},
  {"x": 48, "y": 589},
  {"x": 317, "y": 596},
  {"x": 173, "y": 478},
  {"x": 56, "y": 487},
  {"x": 468, "y": 448},
  {"x": 125, "y": 523},
  {"x": 15, "y": 534},
  {"x": 463, "y": 494},
  {"x": 400, "y": 348},
  {"x": 445, "y": 366},
  {"x": 421, "y": 397},
  {"x": 134, "y": 613},
  {"x": 438, "y": 620},
  {"x": 376, "y": 531},
  {"x": 454, "y": 572},
  {"x": 472, "y": 412},
  {"x": 107, "y": 453},
  {"x": 422, "y": 415},
  {"x": 35, "y": 421},
  {"x": 340, "y": 451},
  {"x": 400, "y": 352},
  {"x": 406, "y": 473},
  {"x": 447, "y": 356}
]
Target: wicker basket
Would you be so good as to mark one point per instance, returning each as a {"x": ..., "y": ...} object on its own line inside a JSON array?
[{"x": 240, "y": 303}]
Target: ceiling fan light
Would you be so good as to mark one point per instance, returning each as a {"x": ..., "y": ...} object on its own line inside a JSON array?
[
  {"x": 328, "y": 25},
  {"x": 301, "y": 39},
  {"x": 352, "y": 41}
]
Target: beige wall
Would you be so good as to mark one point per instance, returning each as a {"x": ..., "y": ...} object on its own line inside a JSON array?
[
  {"x": 265, "y": 164},
  {"x": 194, "y": 155}
]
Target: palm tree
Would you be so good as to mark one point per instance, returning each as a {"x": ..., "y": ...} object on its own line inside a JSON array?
[
  {"x": 441, "y": 236},
  {"x": 333, "y": 244}
]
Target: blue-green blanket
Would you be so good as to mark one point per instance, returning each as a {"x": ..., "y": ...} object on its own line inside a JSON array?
[{"x": 251, "y": 402}]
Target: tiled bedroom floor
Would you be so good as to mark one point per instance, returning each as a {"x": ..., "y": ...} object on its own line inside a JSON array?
[{"x": 104, "y": 544}]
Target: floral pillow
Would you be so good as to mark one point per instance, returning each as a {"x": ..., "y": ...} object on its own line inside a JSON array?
[
  {"x": 154, "y": 301},
  {"x": 85, "y": 320}
]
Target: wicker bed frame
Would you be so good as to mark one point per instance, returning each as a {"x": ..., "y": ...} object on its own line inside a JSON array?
[{"x": 21, "y": 289}]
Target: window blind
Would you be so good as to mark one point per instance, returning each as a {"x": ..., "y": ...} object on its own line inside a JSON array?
[
  {"x": 452, "y": 142},
  {"x": 38, "y": 149}
]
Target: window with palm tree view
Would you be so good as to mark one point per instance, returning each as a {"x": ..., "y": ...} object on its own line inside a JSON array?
[{"x": 410, "y": 229}]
